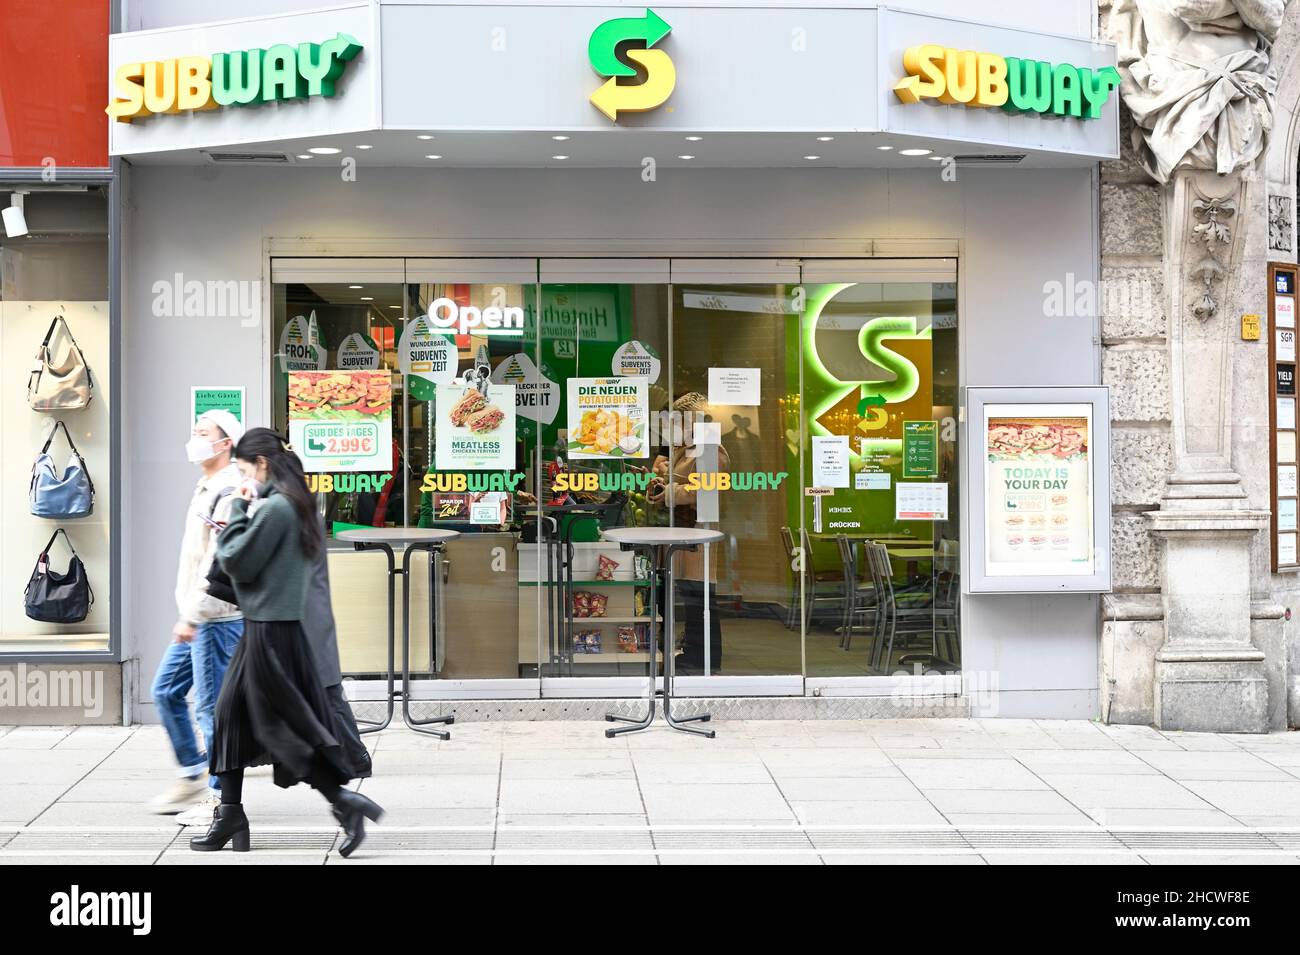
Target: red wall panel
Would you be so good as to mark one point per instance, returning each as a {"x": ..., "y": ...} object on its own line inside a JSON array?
[{"x": 54, "y": 82}]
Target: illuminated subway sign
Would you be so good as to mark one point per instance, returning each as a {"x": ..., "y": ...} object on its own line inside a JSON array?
[
  {"x": 1014, "y": 84},
  {"x": 241, "y": 78}
]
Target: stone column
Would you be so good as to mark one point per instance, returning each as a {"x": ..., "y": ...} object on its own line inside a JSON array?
[{"x": 1209, "y": 675}]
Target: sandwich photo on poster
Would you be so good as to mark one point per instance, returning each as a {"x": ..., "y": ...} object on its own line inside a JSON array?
[
  {"x": 608, "y": 418},
  {"x": 476, "y": 427},
  {"x": 1038, "y": 482},
  {"x": 342, "y": 420}
]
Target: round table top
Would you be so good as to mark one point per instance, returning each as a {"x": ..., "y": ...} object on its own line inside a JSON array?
[
  {"x": 661, "y": 535},
  {"x": 396, "y": 535}
]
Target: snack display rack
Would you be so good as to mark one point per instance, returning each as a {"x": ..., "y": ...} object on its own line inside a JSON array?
[{"x": 620, "y": 601}]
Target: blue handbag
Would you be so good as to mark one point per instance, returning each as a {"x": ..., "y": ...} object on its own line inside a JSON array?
[{"x": 61, "y": 497}]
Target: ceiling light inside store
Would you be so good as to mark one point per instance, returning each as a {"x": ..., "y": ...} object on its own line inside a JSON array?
[
  {"x": 356, "y": 286},
  {"x": 324, "y": 150},
  {"x": 424, "y": 136},
  {"x": 560, "y": 139},
  {"x": 305, "y": 156},
  {"x": 433, "y": 156},
  {"x": 364, "y": 146},
  {"x": 825, "y": 139},
  {"x": 559, "y": 157},
  {"x": 685, "y": 157},
  {"x": 915, "y": 152},
  {"x": 810, "y": 158},
  {"x": 14, "y": 218},
  {"x": 367, "y": 298},
  {"x": 884, "y": 148},
  {"x": 693, "y": 139}
]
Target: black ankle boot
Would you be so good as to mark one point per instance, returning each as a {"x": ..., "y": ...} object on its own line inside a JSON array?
[
  {"x": 352, "y": 810},
  {"x": 228, "y": 823}
]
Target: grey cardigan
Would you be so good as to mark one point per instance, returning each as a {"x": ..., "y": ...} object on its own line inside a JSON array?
[{"x": 264, "y": 558}]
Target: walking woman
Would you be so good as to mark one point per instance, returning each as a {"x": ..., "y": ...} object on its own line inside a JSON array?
[{"x": 273, "y": 708}]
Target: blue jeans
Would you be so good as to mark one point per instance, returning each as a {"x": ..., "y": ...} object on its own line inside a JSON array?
[{"x": 201, "y": 665}]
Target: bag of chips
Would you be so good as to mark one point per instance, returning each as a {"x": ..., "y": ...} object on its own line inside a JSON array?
[
  {"x": 586, "y": 641},
  {"x": 607, "y": 567},
  {"x": 581, "y": 603},
  {"x": 597, "y": 604},
  {"x": 627, "y": 639},
  {"x": 640, "y": 601}
]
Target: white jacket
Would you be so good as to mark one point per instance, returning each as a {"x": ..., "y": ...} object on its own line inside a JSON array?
[{"x": 198, "y": 550}]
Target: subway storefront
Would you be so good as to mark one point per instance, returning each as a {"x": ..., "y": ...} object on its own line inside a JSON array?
[{"x": 545, "y": 305}]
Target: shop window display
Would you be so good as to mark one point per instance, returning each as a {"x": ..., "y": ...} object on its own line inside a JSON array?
[{"x": 812, "y": 423}]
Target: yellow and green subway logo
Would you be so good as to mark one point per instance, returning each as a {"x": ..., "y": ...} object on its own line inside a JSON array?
[
  {"x": 622, "y": 48},
  {"x": 242, "y": 78},
  {"x": 1014, "y": 84}
]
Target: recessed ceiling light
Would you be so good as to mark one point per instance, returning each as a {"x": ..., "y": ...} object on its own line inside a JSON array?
[
  {"x": 825, "y": 139},
  {"x": 936, "y": 159},
  {"x": 433, "y": 156},
  {"x": 324, "y": 150},
  {"x": 686, "y": 157},
  {"x": 693, "y": 139},
  {"x": 394, "y": 306},
  {"x": 425, "y": 136},
  {"x": 559, "y": 157},
  {"x": 356, "y": 286},
  {"x": 812, "y": 157},
  {"x": 915, "y": 152},
  {"x": 884, "y": 148},
  {"x": 305, "y": 156},
  {"x": 364, "y": 146},
  {"x": 367, "y": 298},
  {"x": 560, "y": 139}
]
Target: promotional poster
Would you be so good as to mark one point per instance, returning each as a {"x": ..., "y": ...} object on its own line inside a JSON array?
[
  {"x": 608, "y": 418},
  {"x": 342, "y": 420},
  {"x": 1039, "y": 509},
  {"x": 476, "y": 427}
]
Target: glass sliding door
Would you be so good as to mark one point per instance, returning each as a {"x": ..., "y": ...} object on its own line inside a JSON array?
[
  {"x": 732, "y": 461},
  {"x": 603, "y": 340},
  {"x": 882, "y": 575}
]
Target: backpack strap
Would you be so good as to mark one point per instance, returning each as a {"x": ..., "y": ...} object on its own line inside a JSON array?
[{"x": 217, "y": 498}]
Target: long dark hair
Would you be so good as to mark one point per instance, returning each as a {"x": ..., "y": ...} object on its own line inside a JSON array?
[{"x": 284, "y": 473}]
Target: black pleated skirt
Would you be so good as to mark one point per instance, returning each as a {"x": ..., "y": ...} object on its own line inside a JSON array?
[{"x": 272, "y": 709}]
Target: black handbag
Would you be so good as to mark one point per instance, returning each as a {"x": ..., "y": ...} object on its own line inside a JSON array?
[
  {"x": 219, "y": 582},
  {"x": 58, "y": 598}
]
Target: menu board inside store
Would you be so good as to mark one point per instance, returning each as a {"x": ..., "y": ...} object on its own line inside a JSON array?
[{"x": 1282, "y": 414}]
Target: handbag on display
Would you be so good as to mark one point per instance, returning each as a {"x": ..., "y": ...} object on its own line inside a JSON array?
[
  {"x": 65, "y": 387},
  {"x": 61, "y": 497},
  {"x": 58, "y": 598}
]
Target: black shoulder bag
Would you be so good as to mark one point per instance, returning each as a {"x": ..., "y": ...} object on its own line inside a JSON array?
[{"x": 58, "y": 598}]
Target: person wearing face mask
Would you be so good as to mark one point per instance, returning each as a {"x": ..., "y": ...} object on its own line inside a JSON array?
[
  {"x": 273, "y": 706},
  {"x": 207, "y": 630}
]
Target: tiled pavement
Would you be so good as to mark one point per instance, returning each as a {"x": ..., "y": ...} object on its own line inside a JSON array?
[{"x": 816, "y": 792}]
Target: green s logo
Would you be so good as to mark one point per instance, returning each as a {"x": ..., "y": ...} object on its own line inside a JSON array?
[{"x": 660, "y": 74}]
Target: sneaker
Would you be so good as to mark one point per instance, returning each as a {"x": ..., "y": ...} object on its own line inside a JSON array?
[
  {"x": 200, "y": 814},
  {"x": 181, "y": 795}
]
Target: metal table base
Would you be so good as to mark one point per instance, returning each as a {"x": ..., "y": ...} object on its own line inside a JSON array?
[
  {"x": 661, "y": 570},
  {"x": 431, "y": 548}
]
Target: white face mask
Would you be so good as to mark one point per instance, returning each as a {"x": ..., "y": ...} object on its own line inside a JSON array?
[{"x": 199, "y": 449}]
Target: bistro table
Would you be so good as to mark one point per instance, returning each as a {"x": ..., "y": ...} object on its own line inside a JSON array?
[
  {"x": 661, "y": 543},
  {"x": 410, "y": 539}
]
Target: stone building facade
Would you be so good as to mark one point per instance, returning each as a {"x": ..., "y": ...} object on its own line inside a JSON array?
[{"x": 1196, "y": 634}]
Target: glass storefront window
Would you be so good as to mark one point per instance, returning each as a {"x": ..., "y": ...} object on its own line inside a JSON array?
[
  {"x": 810, "y": 419},
  {"x": 59, "y": 269}
]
